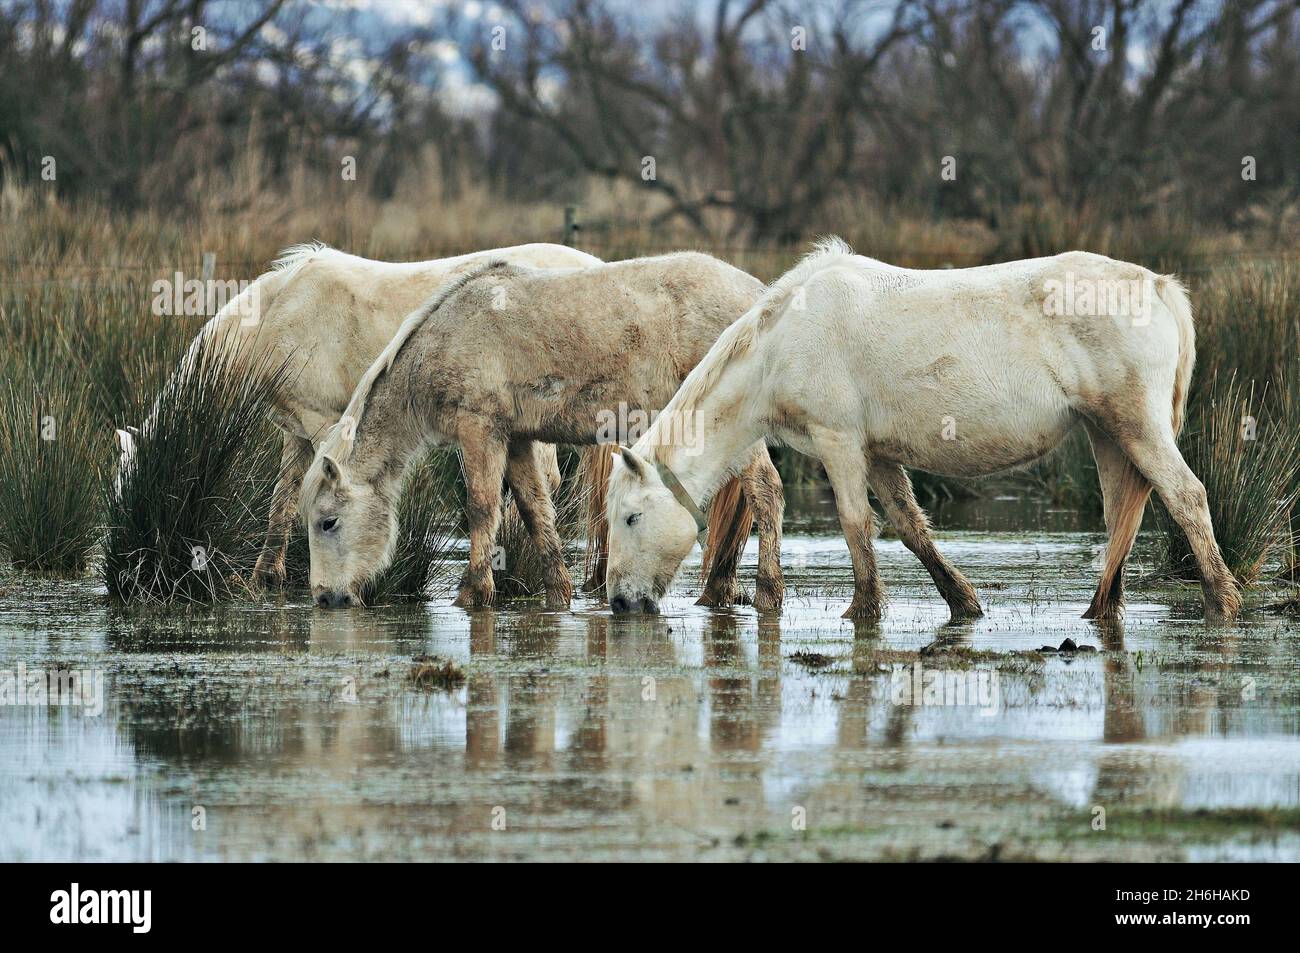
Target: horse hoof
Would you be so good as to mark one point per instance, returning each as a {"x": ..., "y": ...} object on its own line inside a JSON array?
[
  {"x": 862, "y": 613},
  {"x": 712, "y": 599},
  {"x": 269, "y": 577},
  {"x": 472, "y": 599}
]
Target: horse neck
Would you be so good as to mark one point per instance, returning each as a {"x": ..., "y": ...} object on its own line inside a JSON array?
[
  {"x": 389, "y": 440},
  {"x": 703, "y": 444}
]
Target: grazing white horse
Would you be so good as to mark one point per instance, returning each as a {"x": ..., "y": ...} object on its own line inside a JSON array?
[
  {"x": 871, "y": 368},
  {"x": 329, "y": 314},
  {"x": 504, "y": 357}
]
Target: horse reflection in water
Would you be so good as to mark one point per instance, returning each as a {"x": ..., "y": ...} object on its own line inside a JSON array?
[{"x": 661, "y": 736}]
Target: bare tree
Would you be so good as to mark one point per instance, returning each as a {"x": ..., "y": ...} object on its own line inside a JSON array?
[{"x": 753, "y": 113}]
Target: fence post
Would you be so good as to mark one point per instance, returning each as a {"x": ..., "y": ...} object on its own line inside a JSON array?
[{"x": 571, "y": 226}]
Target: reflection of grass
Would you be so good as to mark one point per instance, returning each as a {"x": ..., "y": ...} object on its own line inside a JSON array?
[{"x": 430, "y": 671}]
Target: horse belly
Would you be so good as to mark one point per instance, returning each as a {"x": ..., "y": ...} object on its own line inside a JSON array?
[{"x": 972, "y": 430}]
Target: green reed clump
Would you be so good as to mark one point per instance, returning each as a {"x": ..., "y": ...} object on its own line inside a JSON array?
[
  {"x": 51, "y": 451},
  {"x": 103, "y": 331},
  {"x": 1245, "y": 447},
  {"x": 190, "y": 518}
]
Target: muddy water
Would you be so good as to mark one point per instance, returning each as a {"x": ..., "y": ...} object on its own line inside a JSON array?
[{"x": 280, "y": 731}]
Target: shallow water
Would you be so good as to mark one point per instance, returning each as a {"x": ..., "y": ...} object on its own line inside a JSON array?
[{"x": 282, "y": 731}]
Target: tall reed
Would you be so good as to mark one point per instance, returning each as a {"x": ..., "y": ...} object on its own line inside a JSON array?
[{"x": 51, "y": 452}]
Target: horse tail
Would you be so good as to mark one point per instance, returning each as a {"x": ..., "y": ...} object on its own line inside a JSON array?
[
  {"x": 597, "y": 464},
  {"x": 731, "y": 519},
  {"x": 1174, "y": 297}
]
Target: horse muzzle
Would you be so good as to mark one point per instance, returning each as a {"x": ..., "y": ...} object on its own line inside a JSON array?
[
  {"x": 336, "y": 599},
  {"x": 622, "y": 605}
]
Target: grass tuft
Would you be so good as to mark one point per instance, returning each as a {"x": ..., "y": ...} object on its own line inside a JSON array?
[
  {"x": 51, "y": 450},
  {"x": 1251, "y": 473},
  {"x": 189, "y": 521}
]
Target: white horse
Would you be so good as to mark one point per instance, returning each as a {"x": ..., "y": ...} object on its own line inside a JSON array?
[
  {"x": 329, "y": 315},
  {"x": 870, "y": 368},
  {"x": 504, "y": 357}
]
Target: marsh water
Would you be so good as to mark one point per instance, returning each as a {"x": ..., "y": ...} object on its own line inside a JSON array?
[{"x": 278, "y": 730}]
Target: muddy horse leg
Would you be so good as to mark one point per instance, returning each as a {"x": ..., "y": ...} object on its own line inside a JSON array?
[
  {"x": 483, "y": 459},
  {"x": 762, "y": 485},
  {"x": 295, "y": 457},
  {"x": 846, "y": 465},
  {"x": 1124, "y": 493},
  {"x": 730, "y": 520},
  {"x": 894, "y": 488},
  {"x": 1155, "y": 453},
  {"x": 528, "y": 482}
]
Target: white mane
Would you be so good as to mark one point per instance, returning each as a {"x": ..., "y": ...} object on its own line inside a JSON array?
[{"x": 739, "y": 337}]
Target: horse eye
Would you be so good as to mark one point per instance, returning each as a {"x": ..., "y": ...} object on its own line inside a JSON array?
[
  {"x": 632, "y": 520},
  {"x": 328, "y": 524}
]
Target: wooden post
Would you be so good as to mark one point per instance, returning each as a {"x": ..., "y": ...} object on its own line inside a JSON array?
[{"x": 571, "y": 226}]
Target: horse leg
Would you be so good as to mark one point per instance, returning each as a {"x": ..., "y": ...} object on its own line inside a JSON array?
[
  {"x": 525, "y": 474},
  {"x": 295, "y": 457},
  {"x": 894, "y": 488},
  {"x": 1124, "y": 493},
  {"x": 762, "y": 485},
  {"x": 846, "y": 465},
  {"x": 548, "y": 464},
  {"x": 483, "y": 457},
  {"x": 1154, "y": 452}
]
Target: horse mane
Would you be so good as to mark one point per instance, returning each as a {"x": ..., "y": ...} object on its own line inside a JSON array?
[
  {"x": 340, "y": 439},
  {"x": 295, "y": 256},
  {"x": 739, "y": 337}
]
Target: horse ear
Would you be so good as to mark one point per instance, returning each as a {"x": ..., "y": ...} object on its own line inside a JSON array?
[
  {"x": 125, "y": 442},
  {"x": 634, "y": 463},
  {"x": 330, "y": 468}
]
